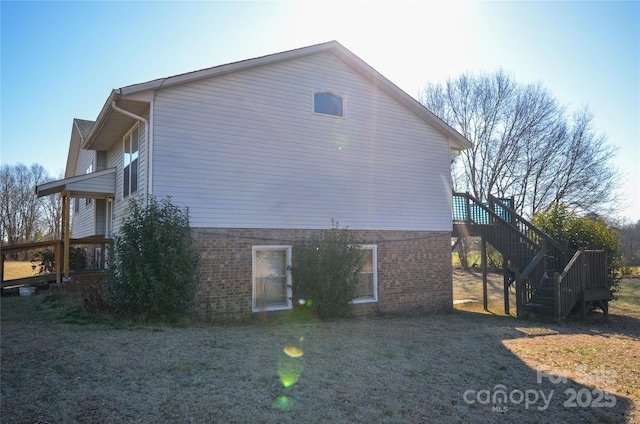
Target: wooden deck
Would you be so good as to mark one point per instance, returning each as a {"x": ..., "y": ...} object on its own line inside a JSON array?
[
  {"x": 58, "y": 247},
  {"x": 551, "y": 281},
  {"x": 29, "y": 281}
]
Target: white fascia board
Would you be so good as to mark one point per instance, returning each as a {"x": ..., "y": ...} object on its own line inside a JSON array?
[
  {"x": 60, "y": 185},
  {"x": 101, "y": 119},
  {"x": 227, "y": 68}
]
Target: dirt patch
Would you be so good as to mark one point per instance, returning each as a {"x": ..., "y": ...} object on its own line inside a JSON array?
[{"x": 449, "y": 367}]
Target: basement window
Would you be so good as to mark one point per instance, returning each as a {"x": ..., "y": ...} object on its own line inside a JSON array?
[
  {"x": 367, "y": 287},
  {"x": 271, "y": 278},
  {"x": 327, "y": 103}
]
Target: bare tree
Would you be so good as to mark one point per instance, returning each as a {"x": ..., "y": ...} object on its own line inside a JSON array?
[
  {"x": 20, "y": 209},
  {"x": 523, "y": 144},
  {"x": 51, "y": 218},
  {"x": 629, "y": 235}
]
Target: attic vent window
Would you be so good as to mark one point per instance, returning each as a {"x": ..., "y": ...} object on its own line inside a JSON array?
[{"x": 328, "y": 104}]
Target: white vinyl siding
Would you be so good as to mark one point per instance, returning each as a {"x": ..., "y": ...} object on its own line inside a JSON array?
[
  {"x": 271, "y": 278},
  {"x": 101, "y": 218},
  {"x": 245, "y": 150},
  {"x": 83, "y": 218}
]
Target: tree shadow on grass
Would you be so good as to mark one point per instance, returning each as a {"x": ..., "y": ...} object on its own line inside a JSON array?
[
  {"x": 460, "y": 367},
  {"x": 573, "y": 371}
]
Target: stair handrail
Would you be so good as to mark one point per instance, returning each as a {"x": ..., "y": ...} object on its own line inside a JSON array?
[
  {"x": 532, "y": 265},
  {"x": 544, "y": 236},
  {"x": 490, "y": 211},
  {"x": 521, "y": 295},
  {"x": 555, "y": 250},
  {"x": 496, "y": 218},
  {"x": 569, "y": 285},
  {"x": 586, "y": 270},
  {"x": 535, "y": 266}
]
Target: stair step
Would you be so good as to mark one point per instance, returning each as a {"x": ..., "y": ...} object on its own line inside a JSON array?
[
  {"x": 539, "y": 312},
  {"x": 545, "y": 301},
  {"x": 545, "y": 292},
  {"x": 539, "y": 307}
]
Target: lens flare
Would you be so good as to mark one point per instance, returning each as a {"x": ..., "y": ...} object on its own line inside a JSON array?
[
  {"x": 282, "y": 403},
  {"x": 290, "y": 369},
  {"x": 301, "y": 301},
  {"x": 293, "y": 351}
]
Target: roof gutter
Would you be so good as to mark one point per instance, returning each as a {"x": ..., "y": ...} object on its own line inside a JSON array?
[{"x": 115, "y": 107}]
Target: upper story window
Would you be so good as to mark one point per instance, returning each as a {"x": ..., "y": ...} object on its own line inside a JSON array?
[
  {"x": 89, "y": 170},
  {"x": 130, "y": 173},
  {"x": 328, "y": 104}
]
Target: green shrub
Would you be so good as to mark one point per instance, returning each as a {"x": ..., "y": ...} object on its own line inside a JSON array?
[
  {"x": 325, "y": 272},
  {"x": 576, "y": 232},
  {"x": 155, "y": 263},
  {"x": 77, "y": 260}
]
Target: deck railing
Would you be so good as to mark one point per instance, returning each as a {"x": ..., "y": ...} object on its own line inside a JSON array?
[
  {"x": 587, "y": 269},
  {"x": 498, "y": 224},
  {"x": 534, "y": 253},
  {"x": 555, "y": 253}
]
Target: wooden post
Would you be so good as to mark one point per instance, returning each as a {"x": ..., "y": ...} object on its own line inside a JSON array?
[
  {"x": 1, "y": 267},
  {"x": 66, "y": 216},
  {"x": 559, "y": 310},
  {"x": 520, "y": 293},
  {"x": 505, "y": 276},
  {"x": 56, "y": 258},
  {"x": 485, "y": 301},
  {"x": 102, "y": 264}
]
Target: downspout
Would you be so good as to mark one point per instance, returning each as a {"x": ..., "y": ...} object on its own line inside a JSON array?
[{"x": 146, "y": 132}]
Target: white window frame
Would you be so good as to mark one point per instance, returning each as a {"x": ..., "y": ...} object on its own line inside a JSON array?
[
  {"x": 342, "y": 98},
  {"x": 89, "y": 170},
  {"x": 288, "y": 305},
  {"x": 374, "y": 298},
  {"x": 129, "y": 139}
]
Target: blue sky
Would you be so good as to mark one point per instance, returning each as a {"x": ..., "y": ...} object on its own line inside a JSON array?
[{"x": 60, "y": 60}]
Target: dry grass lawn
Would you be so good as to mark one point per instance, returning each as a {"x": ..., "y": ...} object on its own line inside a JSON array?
[
  {"x": 59, "y": 367},
  {"x": 17, "y": 269}
]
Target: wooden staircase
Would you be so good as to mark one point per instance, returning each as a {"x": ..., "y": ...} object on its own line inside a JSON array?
[{"x": 549, "y": 282}]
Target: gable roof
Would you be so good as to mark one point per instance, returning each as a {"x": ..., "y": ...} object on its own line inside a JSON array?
[
  {"x": 118, "y": 122},
  {"x": 79, "y": 131}
]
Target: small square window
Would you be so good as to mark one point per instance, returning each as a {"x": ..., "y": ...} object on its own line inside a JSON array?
[{"x": 328, "y": 104}]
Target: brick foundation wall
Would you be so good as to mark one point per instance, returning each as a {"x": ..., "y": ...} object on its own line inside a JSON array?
[{"x": 414, "y": 270}]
